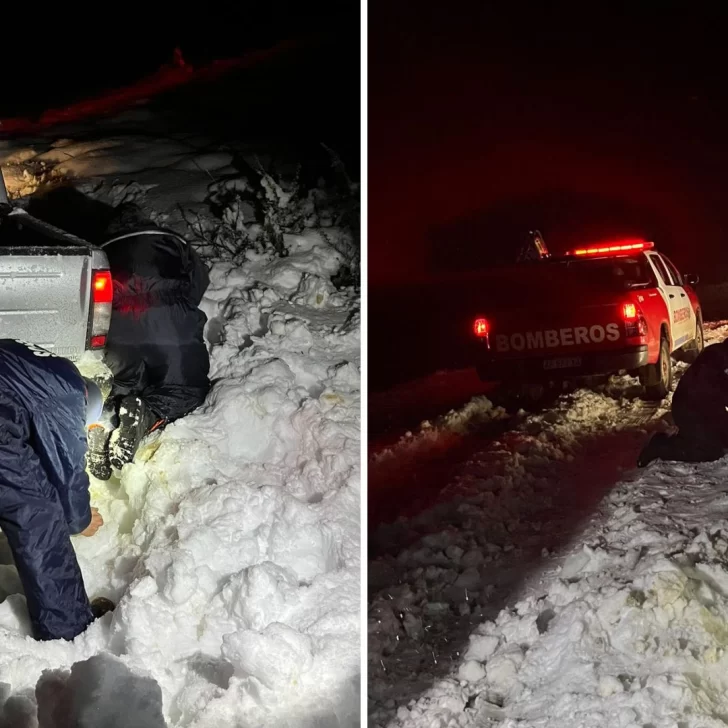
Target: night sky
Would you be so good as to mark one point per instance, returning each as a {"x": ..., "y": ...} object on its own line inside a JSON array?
[
  {"x": 584, "y": 120},
  {"x": 579, "y": 121},
  {"x": 58, "y": 57}
]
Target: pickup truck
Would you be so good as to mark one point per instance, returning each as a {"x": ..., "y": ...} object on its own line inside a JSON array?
[
  {"x": 55, "y": 288},
  {"x": 598, "y": 310}
]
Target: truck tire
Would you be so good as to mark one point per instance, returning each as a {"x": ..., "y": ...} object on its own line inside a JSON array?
[
  {"x": 692, "y": 350},
  {"x": 657, "y": 378}
]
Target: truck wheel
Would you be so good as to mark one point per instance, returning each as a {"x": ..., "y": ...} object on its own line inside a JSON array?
[
  {"x": 657, "y": 378},
  {"x": 692, "y": 350}
]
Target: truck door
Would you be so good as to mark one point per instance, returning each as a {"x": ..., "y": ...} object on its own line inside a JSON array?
[
  {"x": 682, "y": 328},
  {"x": 687, "y": 312}
]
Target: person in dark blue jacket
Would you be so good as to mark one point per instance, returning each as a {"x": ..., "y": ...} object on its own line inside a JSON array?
[{"x": 45, "y": 407}]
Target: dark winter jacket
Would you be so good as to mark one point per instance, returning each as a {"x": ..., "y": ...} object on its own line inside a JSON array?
[
  {"x": 155, "y": 346},
  {"x": 43, "y": 422},
  {"x": 701, "y": 397},
  {"x": 706, "y": 380},
  {"x": 43, "y": 484}
]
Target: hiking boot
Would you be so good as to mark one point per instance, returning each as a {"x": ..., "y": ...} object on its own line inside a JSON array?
[
  {"x": 136, "y": 421},
  {"x": 101, "y": 606},
  {"x": 97, "y": 457}
]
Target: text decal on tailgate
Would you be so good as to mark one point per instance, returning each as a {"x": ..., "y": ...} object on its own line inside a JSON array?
[{"x": 552, "y": 338}]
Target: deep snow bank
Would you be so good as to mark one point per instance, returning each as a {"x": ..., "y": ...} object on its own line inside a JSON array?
[
  {"x": 624, "y": 624},
  {"x": 232, "y": 542}
]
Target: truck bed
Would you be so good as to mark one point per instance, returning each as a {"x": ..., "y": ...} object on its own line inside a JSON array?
[
  {"x": 45, "y": 284},
  {"x": 561, "y": 316}
]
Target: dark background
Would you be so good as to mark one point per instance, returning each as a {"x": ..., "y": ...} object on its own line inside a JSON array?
[
  {"x": 304, "y": 95},
  {"x": 585, "y": 120}
]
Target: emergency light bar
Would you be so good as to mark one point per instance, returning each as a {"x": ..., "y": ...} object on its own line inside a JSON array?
[{"x": 626, "y": 246}]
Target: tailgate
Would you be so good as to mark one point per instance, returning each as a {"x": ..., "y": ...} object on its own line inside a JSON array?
[
  {"x": 552, "y": 311},
  {"x": 553, "y": 330},
  {"x": 44, "y": 298}
]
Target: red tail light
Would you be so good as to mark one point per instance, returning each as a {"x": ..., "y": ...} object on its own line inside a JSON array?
[
  {"x": 102, "y": 294},
  {"x": 480, "y": 327},
  {"x": 634, "y": 321},
  {"x": 102, "y": 288}
]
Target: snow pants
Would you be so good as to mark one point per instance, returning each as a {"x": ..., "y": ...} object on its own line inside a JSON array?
[{"x": 32, "y": 519}]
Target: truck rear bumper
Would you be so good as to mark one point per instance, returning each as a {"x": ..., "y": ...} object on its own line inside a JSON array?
[{"x": 560, "y": 367}]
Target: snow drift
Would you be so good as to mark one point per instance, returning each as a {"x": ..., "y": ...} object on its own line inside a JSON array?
[
  {"x": 499, "y": 609},
  {"x": 231, "y": 544}
]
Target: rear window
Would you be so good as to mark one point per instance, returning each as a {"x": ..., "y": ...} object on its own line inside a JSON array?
[
  {"x": 676, "y": 277},
  {"x": 615, "y": 273}
]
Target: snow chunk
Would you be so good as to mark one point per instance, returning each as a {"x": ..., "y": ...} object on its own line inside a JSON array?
[{"x": 471, "y": 671}]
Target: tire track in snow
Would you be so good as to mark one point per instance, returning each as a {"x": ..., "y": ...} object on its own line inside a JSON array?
[
  {"x": 508, "y": 514},
  {"x": 515, "y": 492}
]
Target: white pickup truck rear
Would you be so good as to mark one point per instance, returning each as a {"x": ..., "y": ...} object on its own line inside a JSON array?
[{"x": 55, "y": 288}]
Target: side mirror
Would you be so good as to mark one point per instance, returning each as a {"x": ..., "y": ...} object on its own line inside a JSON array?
[{"x": 691, "y": 279}]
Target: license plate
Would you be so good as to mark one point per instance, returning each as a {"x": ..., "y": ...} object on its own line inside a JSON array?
[{"x": 563, "y": 363}]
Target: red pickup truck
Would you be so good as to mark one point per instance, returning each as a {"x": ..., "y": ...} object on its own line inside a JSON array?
[{"x": 597, "y": 310}]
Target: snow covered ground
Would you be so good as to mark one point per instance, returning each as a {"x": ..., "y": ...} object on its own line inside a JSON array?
[
  {"x": 232, "y": 543},
  {"x": 554, "y": 585}
]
